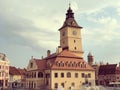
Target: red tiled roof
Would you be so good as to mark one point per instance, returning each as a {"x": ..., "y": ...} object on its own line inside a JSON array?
[
  {"x": 22, "y": 71},
  {"x": 66, "y": 60},
  {"x": 71, "y": 64},
  {"x": 41, "y": 64},
  {"x": 107, "y": 69},
  {"x": 70, "y": 61},
  {"x": 13, "y": 71}
]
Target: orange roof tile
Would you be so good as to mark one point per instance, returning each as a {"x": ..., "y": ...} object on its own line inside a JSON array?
[
  {"x": 71, "y": 64},
  {"x": 67, "y": 60},
  {"x": 41, "y": 64},
  {"x": 64, "y": 60},
  {"x": 22, "y": 71}
]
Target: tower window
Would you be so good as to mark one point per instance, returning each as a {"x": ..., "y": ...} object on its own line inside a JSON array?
[
  {"x": 74, "y": 41},
  {"x": 75, "y": 48}
]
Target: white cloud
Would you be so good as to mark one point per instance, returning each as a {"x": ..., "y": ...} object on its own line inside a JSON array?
[
  {"x": 108, "y": 22},
  {"x": 118, "y": 11},
  {"x": 35, "y": 23}
]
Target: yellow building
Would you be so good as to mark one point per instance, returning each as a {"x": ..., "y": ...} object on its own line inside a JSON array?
[
  {"x": 17, "y": 77},
  {"x": 66, "y": 67}
]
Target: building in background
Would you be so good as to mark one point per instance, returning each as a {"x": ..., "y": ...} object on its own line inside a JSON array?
[
  {"x": 96, "y": 66},
  {"x": 108, "y": 73},
  {"x": 17, "y": 77},
  {"x": 65, "y": 68},
  {"x": 4, "y": 70}
]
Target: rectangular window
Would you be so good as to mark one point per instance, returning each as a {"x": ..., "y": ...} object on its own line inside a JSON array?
[
  {"x": 83, "y": 75},
  {"x": 89, "y": 75},
  {"x": 76, "y": 75},
  {"x": 56, "y": 85},
  {"x": 68, "y": 75},
  {"x": 62, "y": 84},
  {"x": 56, "y": 75},
  {"x": 62, "y": 75}
]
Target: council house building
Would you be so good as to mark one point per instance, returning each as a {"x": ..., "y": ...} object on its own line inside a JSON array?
[{"x": 65, "y": 68}]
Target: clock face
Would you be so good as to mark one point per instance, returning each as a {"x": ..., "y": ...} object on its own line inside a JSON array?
[{"x": 74, "y": 33}]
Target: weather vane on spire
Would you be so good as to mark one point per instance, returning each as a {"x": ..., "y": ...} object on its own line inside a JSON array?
[{"x": 69, "y": 4}]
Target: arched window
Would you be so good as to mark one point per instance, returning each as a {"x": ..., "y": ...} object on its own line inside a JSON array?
[
  {"x": 31, "y": 65},
  {"x": 68, "y": 74},
  {"x": 75, "y": 48},
  {"x": 74, "y": 41},
  {"x": 40, "y": 75}
]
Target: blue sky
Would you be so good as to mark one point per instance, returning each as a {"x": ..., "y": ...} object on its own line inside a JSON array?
[{"x": 30, "y": 27}]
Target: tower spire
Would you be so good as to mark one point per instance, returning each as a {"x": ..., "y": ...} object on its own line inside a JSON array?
[
  {"x": 70, "y": 20},
  {"x": 69, "y": 5}
]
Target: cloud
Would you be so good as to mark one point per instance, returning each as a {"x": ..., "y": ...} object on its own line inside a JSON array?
[
  {"x": 33, "y": 25},
  {"x": 95, "y": 6}
]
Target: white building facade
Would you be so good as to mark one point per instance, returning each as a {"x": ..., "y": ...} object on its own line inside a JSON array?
[{"x": 4, "y": 70}]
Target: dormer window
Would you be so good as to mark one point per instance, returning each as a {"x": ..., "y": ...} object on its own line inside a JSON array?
[{"x": 31, "y": 65}]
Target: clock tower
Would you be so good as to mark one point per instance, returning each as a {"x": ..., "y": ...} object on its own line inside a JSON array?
[{"x": 70, "y": 34}]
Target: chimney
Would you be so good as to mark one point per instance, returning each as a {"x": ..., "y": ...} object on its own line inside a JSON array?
[
  {"x": 59, "y": 49},
  {"x": 48, "y": 53}
]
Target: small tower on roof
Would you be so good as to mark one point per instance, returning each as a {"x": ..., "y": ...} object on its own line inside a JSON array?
[
  {"x": 90, "y": 59},
  {"x": 70, "y": 34}
]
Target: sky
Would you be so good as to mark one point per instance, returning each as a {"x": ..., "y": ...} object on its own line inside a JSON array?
[{"x": 30, "y": 28}]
